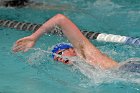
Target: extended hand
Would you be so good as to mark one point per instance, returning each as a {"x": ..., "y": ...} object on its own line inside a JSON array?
[{"x": 24, "y": 44}]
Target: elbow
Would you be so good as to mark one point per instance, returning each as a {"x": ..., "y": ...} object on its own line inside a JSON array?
[{"x": 62, "y": 19}]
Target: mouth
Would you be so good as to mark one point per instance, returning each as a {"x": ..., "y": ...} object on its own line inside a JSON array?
[{"x": 66, "y": 61}]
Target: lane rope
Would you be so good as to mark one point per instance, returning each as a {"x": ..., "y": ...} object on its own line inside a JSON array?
[{"x": 57, "y": 30}]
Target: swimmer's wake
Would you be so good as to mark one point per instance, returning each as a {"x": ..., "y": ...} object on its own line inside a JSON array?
[{"x": 39, "y": 57}]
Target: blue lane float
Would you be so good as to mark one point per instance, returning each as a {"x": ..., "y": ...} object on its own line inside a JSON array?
[
  {"x": 57, "y": 30},
  {"x": 133, "y": 41}
]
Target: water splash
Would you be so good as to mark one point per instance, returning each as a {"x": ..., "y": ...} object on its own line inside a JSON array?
[
  {"x": 38, "y": 56},
  {"x": 98, "y": 77},
  {"x": 93, "y": 77}
]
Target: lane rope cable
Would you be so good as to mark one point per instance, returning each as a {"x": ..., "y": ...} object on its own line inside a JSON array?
[{"x": 57, "y": 30}]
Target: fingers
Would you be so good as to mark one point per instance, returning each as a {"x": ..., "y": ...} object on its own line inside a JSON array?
[
  {"x": 18, "y": 48},
  {"x": 26, "y": 49},
  {"x": 22, "y": 47},
  {"x": 23, "y": 44},
  {"x": 19, "y": 45}
]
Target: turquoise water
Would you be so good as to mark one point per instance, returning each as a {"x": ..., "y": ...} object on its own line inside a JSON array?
[{"x": 36, "y": 72}]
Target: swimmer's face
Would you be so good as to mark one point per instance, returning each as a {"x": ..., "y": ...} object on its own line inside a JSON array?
[{"x": 70, "y": 52}]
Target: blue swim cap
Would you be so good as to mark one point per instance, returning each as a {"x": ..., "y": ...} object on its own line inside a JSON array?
[{"x": 61, "y": 46}]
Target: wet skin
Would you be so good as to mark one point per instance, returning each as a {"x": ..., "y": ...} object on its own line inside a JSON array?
[{"x": 70, "y": 52}]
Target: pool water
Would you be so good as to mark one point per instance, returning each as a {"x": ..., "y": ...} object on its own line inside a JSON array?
[{"x": 36, "y": 72}]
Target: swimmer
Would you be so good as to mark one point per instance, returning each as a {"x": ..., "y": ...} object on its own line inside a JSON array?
[
  {"x": 14, "y": 3},
  {"x": 80, "y": 46},
  {"x": 33, "y": 5}
]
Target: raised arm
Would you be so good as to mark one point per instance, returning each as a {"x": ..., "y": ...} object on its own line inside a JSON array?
[
  {"x": 82, "y": 46},
  {"x": 69, "y": 29}
]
